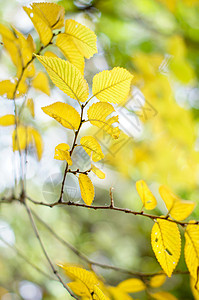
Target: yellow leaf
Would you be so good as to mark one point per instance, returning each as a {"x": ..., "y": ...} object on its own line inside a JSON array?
[
  {"x": 36, "y": 140},
  {"x": 43, "y": 29},
  {"x": 92, "y": 147},
  {"x": 53, "y": 14},
  {"x": 50, "y": 54},
  {"x": 157, "y": 280},
  {"x": 30, "y": 105},
  {"x": 166, "y": 244},
  {"x": 97, "y": 172},
  {"x": 11, "y": 44},
  {"x": 132, "y": 285},
  {"x": 86, "y": 188},
  {"x": 20, "y": 138},
  {"x": 195, "y": 290},
  {"x": 191, "y": 249},
  {"x": 25, "y": 49},
  {"x": 70, "y": 51},
  {"x": 163, "y": 296},
  {"x": 63, "y": 113},
  {"x": 26, "y": 136},
  {"x": 178, "y": 209},
  {"x": 7, "y": 33},
  {"x": 98, "y": 116},
  {"x": 98, "y": 294},
  {"x": 112, "y": 86},
  {"x": 62, "y": 153},
  {"x": 31, "y": 43},
  {"x": 7, "y": 89},
  {"x": 40, "y": 82},
  {"x": 83, "y": 38},
  {"x": 79, "y": 289},
  {"x": 88, "y": 278},
  {"x": 7, "y": 120},
  {"x": 148, "y": 200},
  {"x": 66, "y": 77},
  {"x": 117, "y": 294}
]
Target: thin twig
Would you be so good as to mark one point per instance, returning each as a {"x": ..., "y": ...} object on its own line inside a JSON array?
[
  {"x": 93, "y": 263},
  {"x": 45, "y": 252},
  {"x": 71, "y": 152},
  {"x": 114, "y": 208},
  {"x": 19, "y": 253}
]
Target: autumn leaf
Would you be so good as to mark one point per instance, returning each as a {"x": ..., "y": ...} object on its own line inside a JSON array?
[
  {"x": 112, "y": 86},
  {"x": 166, "y": 244},
  {"x": 63, "y": 113},
  {"x": 70, "y": 51},
  {"x": 88, "y": 278},
  {"x": 66, "y": 77},
  {"x": 98, "y": 114},
  {"x": 132, "y": 285},
  {"x": 40, "y": 82},
  {"x": 82, "y": 37},
  {"x": 92, "y": 147},
  {"x": 30, "y": 106},
  {"x": 86, "y": 188},
  {"x": 45, "y": 18},
  {"x": 191, "y": 250},
  {"x": 157, "y": 280},
  {"x": 163, "y": 296},
  {"x": 178, "y": 209},
  {"x": 148, "y": 199},
  {"x": 7, "y": 120},
  {"x": 62, "y": 153},
  {"x": 8, "y": 87},
  {"x": 97, "y": 172}
]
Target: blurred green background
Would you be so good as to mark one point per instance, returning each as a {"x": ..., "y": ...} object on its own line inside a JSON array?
[{"x": 158, "y": 42}]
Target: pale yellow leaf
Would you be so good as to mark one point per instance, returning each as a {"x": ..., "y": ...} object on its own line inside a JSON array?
[
  {"x": 195, "y": 290},
  {"x": 191, "y": 249},
  {"x": 112, "y": 86},
  {"x": 25, "y": 49},
  {"x": 166, "y": 244},
  {"x": 163, "y": 296},
  {"x": 88, "y": 278},
  {"x": 97, "y": 172},
  {"x": 70, "y": 51},
  {"x": 98, "y": 294},
  {"x": 79, "y": 289},
  {"x": 148, "y": 199},
  {"x": 42, "y": 27},
  {"x": 40, "y": 82},
  {"x": 62, "y": 153},
  {"x": 36, "y": 141},
  {"x": 83, "y": 38},
  {"x": 7, "y": 120},
  {"x": 92, "y": 147},
  {"x": 11, "y": 44},
  {"x": 98, "y": 114},
  {"x": 132, "y": 285},
  {"x": 178, "y": 209},
  {"x": 31, "y": 43},
  {"x": 53, "y": 14},
  {"x": 20, "y": 138},
  {"x": 63, "y": 113},
  {"x": 66, "y": 77},
  {"x": 157, "y": 280},
  {"x": 30, "y": 105},
  {"x": 50, "y": 54},
  {"x": 117, "y": 294},
  {"x": 86, "y": 188},
  {"x": 7, "y": 89}
]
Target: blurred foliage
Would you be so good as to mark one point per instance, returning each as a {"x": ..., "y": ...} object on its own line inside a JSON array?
[{"x": 158, "y": 41}]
